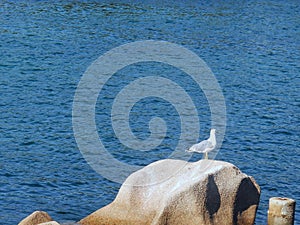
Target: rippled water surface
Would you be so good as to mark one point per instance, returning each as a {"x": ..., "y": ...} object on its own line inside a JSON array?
[{"x": 252, "y": 47}]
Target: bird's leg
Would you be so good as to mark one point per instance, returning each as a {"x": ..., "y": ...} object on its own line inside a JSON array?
[{"x": 206, "y": 155}]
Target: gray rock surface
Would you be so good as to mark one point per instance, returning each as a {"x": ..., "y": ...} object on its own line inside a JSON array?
[{"x": 49, "y": 223}]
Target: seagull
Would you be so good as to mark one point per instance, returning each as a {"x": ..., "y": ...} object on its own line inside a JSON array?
[{"x": 206, "y": 145}]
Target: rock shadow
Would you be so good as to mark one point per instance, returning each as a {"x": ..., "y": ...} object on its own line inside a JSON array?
[
  {"x": 246, "y": 196},
  {"x": 213, "y": 198}
]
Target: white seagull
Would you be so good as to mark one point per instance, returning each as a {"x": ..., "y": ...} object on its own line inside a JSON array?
[{"x": 206, "y": 145}]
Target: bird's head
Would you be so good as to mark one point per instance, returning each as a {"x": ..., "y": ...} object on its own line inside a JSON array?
[
  {"x": 189, "y": 150},
  {"x": 213, "y": 131}
]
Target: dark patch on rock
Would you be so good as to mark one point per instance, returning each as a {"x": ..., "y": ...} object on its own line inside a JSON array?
[
  {"x": 247, "y": 195},
  {"x": 213, "y": 198}
]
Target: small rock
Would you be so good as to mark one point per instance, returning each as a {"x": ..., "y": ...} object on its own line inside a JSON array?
[{"x": 36, "y": 218}]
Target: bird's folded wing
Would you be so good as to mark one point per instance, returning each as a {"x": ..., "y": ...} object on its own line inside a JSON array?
[{"x": 204, "y": 145}]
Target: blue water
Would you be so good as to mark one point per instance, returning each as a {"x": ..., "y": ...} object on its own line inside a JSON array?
[{"x": 252, "y": 47}]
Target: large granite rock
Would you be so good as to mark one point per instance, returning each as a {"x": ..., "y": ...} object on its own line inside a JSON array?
[
  {"x": 176, "y": 192},
  {"x": 35, "y": 218}
]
